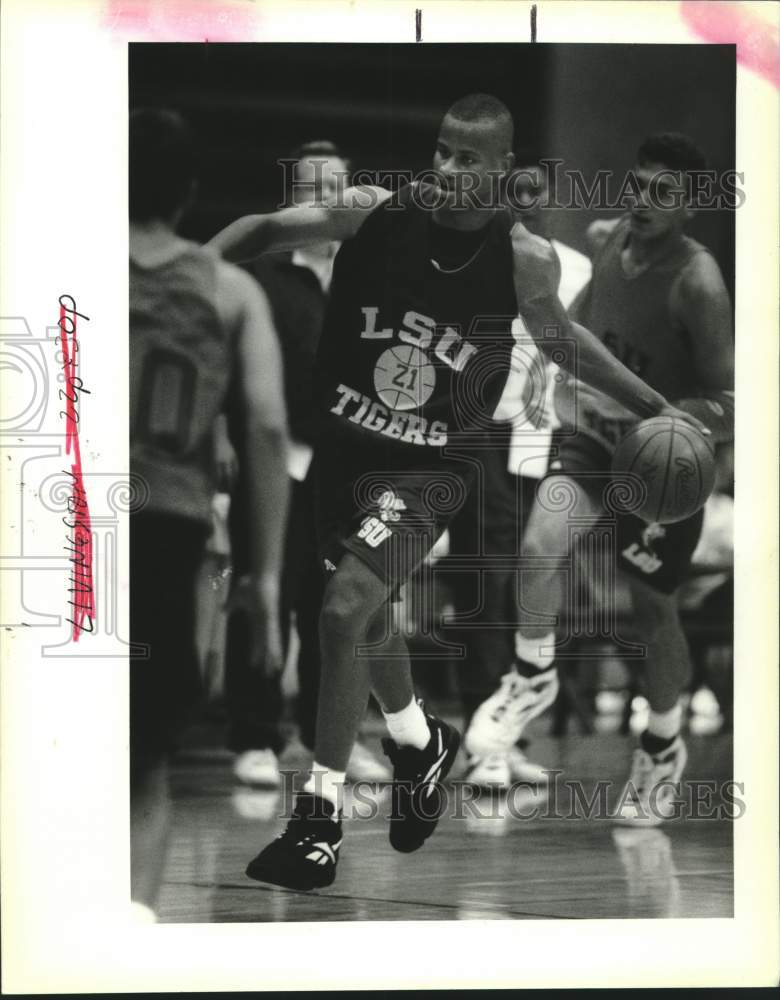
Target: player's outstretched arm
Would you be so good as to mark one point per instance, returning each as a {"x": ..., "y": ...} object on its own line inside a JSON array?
[
  {"x": 536, "y": 276},
  {"x": 298, "y": 227},
  {"x": 701, "y": 305},
  {"x": 261, "y": 382}
]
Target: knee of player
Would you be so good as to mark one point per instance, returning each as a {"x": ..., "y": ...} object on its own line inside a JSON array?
[
  {"x": 343, "y": 609},
  {"x": 379, "y": 627}
]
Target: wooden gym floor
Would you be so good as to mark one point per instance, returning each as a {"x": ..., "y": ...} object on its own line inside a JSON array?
[{"x": 487, "y": 862}]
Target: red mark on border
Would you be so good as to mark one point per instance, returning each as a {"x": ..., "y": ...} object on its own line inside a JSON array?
[
  {"x": 183, "y": 20},
  {"x": 80, "y": 541},
  {"x": 756, "y": 38}
]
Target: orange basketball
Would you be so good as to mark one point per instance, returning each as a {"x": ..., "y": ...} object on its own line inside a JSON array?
[{"x": 674, "y": 461}]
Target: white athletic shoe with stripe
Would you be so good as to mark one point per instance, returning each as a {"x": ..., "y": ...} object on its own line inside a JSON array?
[
  {"x": 500, "y": 720},
  {"x": 491, "y": 772},
  {"x": 648, "y": 797}
]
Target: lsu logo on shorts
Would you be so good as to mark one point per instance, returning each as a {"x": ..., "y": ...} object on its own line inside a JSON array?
[
  {"x": 373, "y": 529},
  {"x": 390, "y": 506},
  {"x": 644, "y": 556},
  {"x": 373, "y": 532}
]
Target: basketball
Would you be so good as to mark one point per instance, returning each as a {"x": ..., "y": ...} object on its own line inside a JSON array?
[
  {"x": 674, "y": 461},
  {"x": 404, "y": 378}
]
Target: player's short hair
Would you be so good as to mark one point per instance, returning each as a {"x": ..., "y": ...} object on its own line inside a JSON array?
[
  {"x": 672, "y": 149},
  {"x": 485, "y": 108},
  {"x": 319, "y": 148},
  {"x": 161, "y": 163}
]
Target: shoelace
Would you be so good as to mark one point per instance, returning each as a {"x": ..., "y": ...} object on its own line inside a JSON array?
[
  {"x": 509, "y": 692},
  {"x": 508, "y": 713}
]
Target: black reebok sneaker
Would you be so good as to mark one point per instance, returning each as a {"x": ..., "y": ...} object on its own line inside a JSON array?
[
  {"x": 417, "y": 795},
  {"x": 306, "y": 854}
]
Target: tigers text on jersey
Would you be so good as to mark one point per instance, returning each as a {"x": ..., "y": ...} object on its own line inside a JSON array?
[
  {"x": 180, "y": 364},
  {"x": 415, "y": 353},
  {"x": 631, "y": 316}
]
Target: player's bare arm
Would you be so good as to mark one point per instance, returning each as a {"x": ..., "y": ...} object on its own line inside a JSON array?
[
  {"x": 701, "y": 306},
  {"x": 261, "y": 381},
  {"x": 536, "y": 277},
  {"x": 298, "y": 227}
]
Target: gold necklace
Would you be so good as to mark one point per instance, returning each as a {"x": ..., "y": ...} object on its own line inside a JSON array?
[{"x": 460, "y": 267}]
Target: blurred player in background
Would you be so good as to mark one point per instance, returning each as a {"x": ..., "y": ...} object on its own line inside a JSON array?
[
  {"x": 297, "y": 286},
  {"x": 193, "y": 318},
  {"x": 658, "y": 302},
  {"x": 495, "y": 516}
]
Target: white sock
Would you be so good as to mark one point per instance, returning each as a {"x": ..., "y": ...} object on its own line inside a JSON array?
[
  {"x": 665, "y": 725},
  {"x": 328, "y": 784},
  {"x": 408, "y": 727},
  {"x": 530, "y": 650}
]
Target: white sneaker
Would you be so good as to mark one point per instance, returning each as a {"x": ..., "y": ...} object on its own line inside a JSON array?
[
  {"x": 523, "y": 769},
  {"x": 488, "y": 772},
  {"x": 498, "y": 722},
  {"x": 648, "y": 798},
  {"x": 258, "y": 767},
  {"x": 364, "y": 766},
  {"x": 255, "y": 803}
]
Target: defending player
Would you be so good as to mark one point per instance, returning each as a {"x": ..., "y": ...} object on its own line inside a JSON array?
[
  {"x": 193, "y": 317},
  {"x": 413, "y": 357},
  {"x": 658, "y": 302}
]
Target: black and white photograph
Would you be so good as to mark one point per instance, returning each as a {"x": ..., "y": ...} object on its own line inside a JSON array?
[
  {"x": 404, "y": 515},
  {"x": 429, "y": 598}
]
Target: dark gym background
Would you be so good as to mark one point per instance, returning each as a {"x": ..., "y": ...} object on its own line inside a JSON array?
[{"x": 590, "y": 105}]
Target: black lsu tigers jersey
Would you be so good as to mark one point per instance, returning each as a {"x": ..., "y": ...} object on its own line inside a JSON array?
[{"x": 415, "y": 352}]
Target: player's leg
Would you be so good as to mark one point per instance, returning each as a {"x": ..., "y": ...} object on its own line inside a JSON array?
[
  {"x": 486, "y": 529},
  {"x": 306, "y": 854},
  {"x": 352, "y": 599},
  {"x": 385, "y": 536},
  {"x": 656, "y": 558},
  {"x": 667, "y": 665},
  {"x": 254, "y": 702},
  {"x": 389, "y": 665},
  {"x": 149, "y": 826},
  {"x": 165, "y": 682},
  {"x": 308, "y": 605},
  {"x": 532, "y": 685}
]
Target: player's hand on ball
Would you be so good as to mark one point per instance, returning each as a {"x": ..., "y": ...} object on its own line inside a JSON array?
[
  {"x": 536, "y": 266},
  {"x": 672, "y": 411}
]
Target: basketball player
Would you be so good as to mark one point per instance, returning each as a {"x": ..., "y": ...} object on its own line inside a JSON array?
[
  {"x": 658, "y": 302},
  {"x": 192, "y": 317},
  {"x": 297, "y": 287},
  {"x": 413, "y": 358}
]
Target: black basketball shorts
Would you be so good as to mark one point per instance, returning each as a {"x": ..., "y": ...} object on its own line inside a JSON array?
[
  {"x": 657, "y": 554},
  {"x": 385, "y": 510}
]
